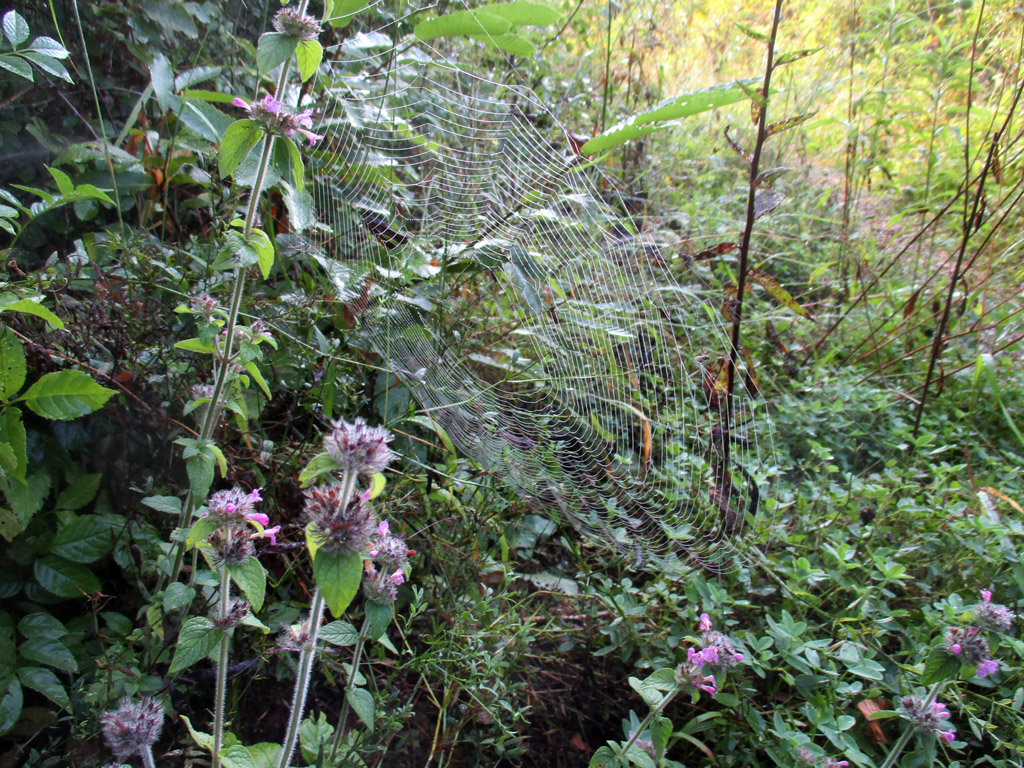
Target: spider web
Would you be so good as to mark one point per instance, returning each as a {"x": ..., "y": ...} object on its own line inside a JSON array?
[{"x": 558, "y": 343}]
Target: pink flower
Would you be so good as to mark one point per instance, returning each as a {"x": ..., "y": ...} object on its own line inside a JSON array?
[
  {"x": 705, "y": 622},
  {"x": 383, "y": 529},
  {"x": 948, "y": 736},
  {"x": 986, "y": 595},
  {"x": 956, "y": 649},
  {"x": 987, "y": 667},
  {"x": 258, "y": 517},
  {"x": 398, "y": 577}
]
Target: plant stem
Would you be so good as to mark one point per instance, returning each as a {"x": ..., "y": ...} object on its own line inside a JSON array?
[
  {"x": 901, "y": 742},
  {"x": 649, "y": 719},
  {"x": 302, "y": 679},
  {"x": 147, "y": 758},
  {"x": 356, "y": 654},
  {"x": 222, "y": 671},
  {"x": 216, "y": 404}
]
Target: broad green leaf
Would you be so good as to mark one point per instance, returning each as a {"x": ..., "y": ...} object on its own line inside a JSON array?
[
  {"x": 80, "y": 492},
  {"x": 251, "y": 579},
  {"x": 939, "y": 666},
  {"x": 301, "y": 211},
  {"x": 10, "y": 704},
  {"x": 314, "y": 734},
  {"x": 15, "y": 28},
  {"x": 64, "y": 578},
  {"x": 177, "y": 596},
  {"x": 239, "y": 139},
  {"x": 47, "y": 683},
  {"x": 258, "y": 378},
  {"x": 309, "y": 54},
  {"x": 27, "y": 498},
  {"x": 477, "y": 22},
  {"x": 377, "y": 483},
  {"x": 202, "y": 740},
  {"x": 13, "y": 432},
  {"x": 236, "y": 756},
  {"x": 264, "y": 252},
  {"x": 338, "y": 578},
  {"x": 48, "y": 651},
  {"x": 658, "y": 117},
  {"x": 64, "y": 183},
  {"x": 361, "y": 701},
  {"x": 13, "y": 63},
  {"x": 320, "y": 465},
  {"x": 510, "y": 42},
  {"x": 83, "y": 540},
  {"x": 195, "y": 345},
  {"x": 12, "y": 364},
  {"x": 170, "y": 505},
  {"x": 200, "y": 529},
  {"x": 64, "y": 395},
  {"x": 339, "y": 633},
  {"x": 198, "y": 637},
  {"x": 42, "y": 625},
  {"x": 380, "y": 617},
  {"x": 265, "y": 754},
  {"x": 273, "y": 50},
  {"x": 524, "y": 14},
  {"x": 49, "y": 46},
  {"x": 341, "y": 12},
  {"x": 195, "y": 75},
  {"x": 293, "y": 164},
  {"x": 162, "y": 77}
]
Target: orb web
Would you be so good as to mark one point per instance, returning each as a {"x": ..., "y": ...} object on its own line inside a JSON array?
[{"x": 560, "y": 343}]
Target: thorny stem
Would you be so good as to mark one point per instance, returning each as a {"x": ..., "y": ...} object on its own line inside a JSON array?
[
  {"x": 901, "y": 742},
  {"x": 302, "y": 679},
  {"x": 356, "y": 654},
  {"x": 213, "y": 410}
]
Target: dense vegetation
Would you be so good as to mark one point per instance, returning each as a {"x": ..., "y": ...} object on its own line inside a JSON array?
[{"x": 192, "y": 392}]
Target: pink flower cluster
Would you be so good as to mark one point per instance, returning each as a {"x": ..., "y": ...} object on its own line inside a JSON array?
[
  {"x": 234, "y": 504},
  {"x": 272, "y": 115},
  {"x": 929, "y": 717},
  {"x": 726, "y": 654},
  {"x": 388, "y": 565}
]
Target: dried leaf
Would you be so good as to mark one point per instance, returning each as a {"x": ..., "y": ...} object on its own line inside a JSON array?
[
  {"x": 756, "y": 105},
  {"x": 792, "y": 122},
  {"x": 1004, "y": 497},
  {"x": 908, "y": 310},
  {"x": 766, "y": 178},
  {"x": 997, "y": 167},
  {"x": 736, "y": 147},
  {"x": 709, "y": 253},
  {"x": 777, "y": 292},
  {"x": 868, "y": 708}
]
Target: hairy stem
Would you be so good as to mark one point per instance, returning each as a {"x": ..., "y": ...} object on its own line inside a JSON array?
[
  {"x": 222, "y": 671},
  {"x": 302, "y": 679},
  {"x": 356, "y": 654},
  {"x": 901, "y": 742}
]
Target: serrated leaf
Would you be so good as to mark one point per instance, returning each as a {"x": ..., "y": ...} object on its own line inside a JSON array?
[
  {"x": 16, "y": 65},
  {"x": 82, "y": 490},
  {"x": 236, "y": 756},
  {"x": 939, "y": 666},
  {"x": 309, "y": 54},
  {"x": 27, "y": 498},
  {"x": 320, "y": 465},
  {"x": 340, "y": 633},
  {"x": 64, "y": 395},
  {"x": 42, "y": 625},
  {"x": 273, "y": 50},
  {"x": 11, "y": 703},
  {"x": 777, "y": 292},
  {"x": 361, "y": 702},
  {"x": 338, "y": 577},
  {"x": 380, "y": 618},
  {"x": 15, "y": 28},
  {"x": 12, "y": 364},
  {"x": 239, "y": 139},
  {"x": 170, "y": 505},
  {"x": 48, "y": 651},
  {"x": 177, "y": 596},
  {"x": 162, "y": 77},
  {"x": 198, "y": 637},
  {"x": 83, "y": 540},
  {"x": 47, "y": 683},
  {"x": 195, "y": 345},
  {"x": 251, "y": 579},
  {"x": 200, "y": 529},
  {"x": 64, "y": 578},
  {"x": 260, "y": 242}
]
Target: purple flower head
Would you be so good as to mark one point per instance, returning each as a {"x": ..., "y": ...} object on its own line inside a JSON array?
[
  {"x": 690, "y": 674},
  {"x": 992, "y": 616},
  {"x": 132, "y": 728},
  {"x": 359, "y": 448},
  {"x": 277, "y": 119},
  {"x": 236, "y": 613},
  {"x": 930, "y": 718},
  {"x": 968, "y": 643},
  {"x": 381, "y": 587},
  {"x": 342, "y": 525},
  {"x": 231, "y": 543},
  {"x": 725, "y": 653},
  {"x": 294, "y": 638},
  {"x": 705, "y": 623},
  {"x": 987, "y": 667},
  {"x": 289, "y": 21}
]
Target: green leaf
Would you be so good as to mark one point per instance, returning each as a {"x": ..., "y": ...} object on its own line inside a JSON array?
[
  {"x": 524, "y": 14},
  {"x": 380, "y": 617},
  {"x": 64, "y": 183},
  {"x": 15, "y": 28},
  {"x": 198, "y": 637},
  {"x": 258, "y": 378},
  {"x": 309, "y": 54},
  {"x": 658, "y": 117},
  {"x": 341, "y": 12},
  {"x": 82, "y": 490},
  {"x": 298, "y": 171},
  {"x": 200, "y": 529},
  {"x": 162, "y": 77},
  {"x": 236, "y": 756},
  {"x": 177, "y": 596},
  {"x": 361, "y": 702},
  {"x": 48, "y": 651},
  {"x": 12, "y": 364},
  {"x": 777, "y": 292},
  {"x": 195, "y": 345},
  {"x": 338, "y": 577},
  {"x": 203, "y": 740},
  {"x": 42, "y": 625},
  {"x": 314, "y": 735},
  {"x": 273, "y": 50},
  {"x": 320, "y": 465},
  {"x": 65, "y": 395},
  {"x": 239, "y": 139},
  {"x": 170, "y": 505},
  {"x": 48, "y": 64},
  {"x": 10, "y": 704},
  {"x": 12, "y": 63},
  {"x": 47, "y": 683},
  {"x": 260, "y": 242},
  {"x": 301, "y": 212},
  {"x": 265, "y": 754},
  {"x": 12, "y": 431},
  {"x": 65, "y": 579},
  {"x": 377, "y": 483},
  {"x": 251, "y": 579},
  {"x": 476, "y": 22},
  {"x": 200, "y": 460},
  {"x": 339, "y": 633},
  {"x": 83, "y": 540},
  {"x": 939, "y": 666},
  {"x": 27, "y": 498}
]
